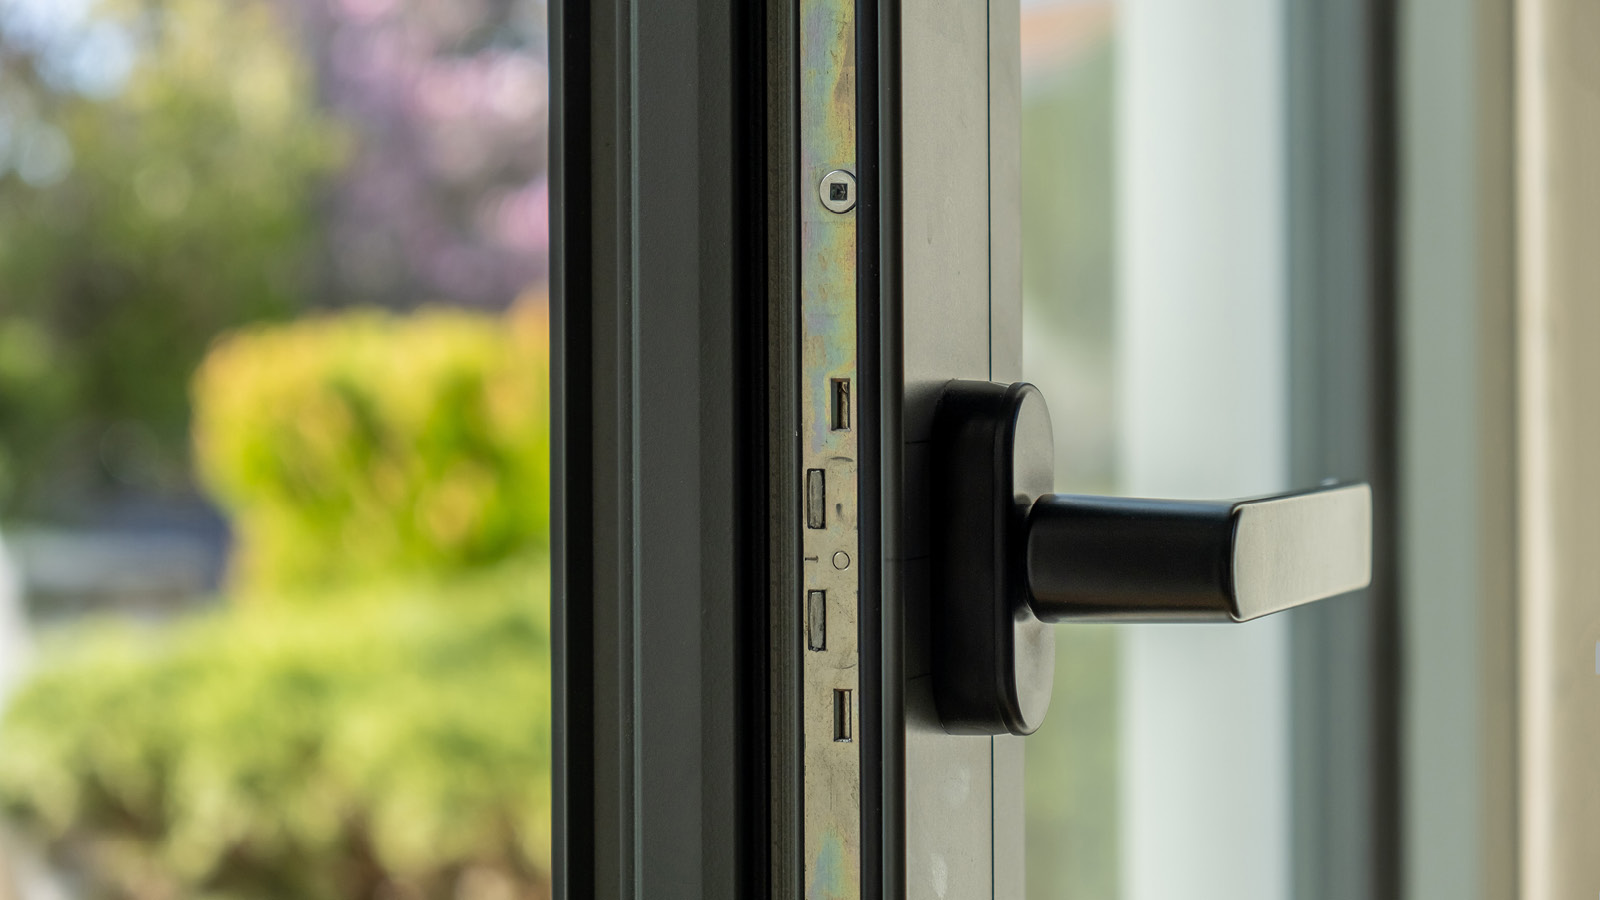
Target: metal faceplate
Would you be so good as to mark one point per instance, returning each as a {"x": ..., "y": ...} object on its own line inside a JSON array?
[
  {"x": 827, "y": 610},
  {"x": 951, "y": 804}
]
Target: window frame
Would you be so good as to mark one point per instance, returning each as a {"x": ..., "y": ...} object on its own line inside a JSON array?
[{"x": 658, "y": 414}]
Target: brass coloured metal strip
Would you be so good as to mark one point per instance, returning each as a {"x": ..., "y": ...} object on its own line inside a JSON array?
[{"x": 826, "y": 608}]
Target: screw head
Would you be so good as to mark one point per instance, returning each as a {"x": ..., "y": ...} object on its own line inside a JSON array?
[{"x": 838, "y": 191}]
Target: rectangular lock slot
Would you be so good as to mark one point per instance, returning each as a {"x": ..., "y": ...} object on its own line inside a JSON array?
[
  {"x": 841, "y": 715},
  {"x": 817, "y": 620},
  {"x": 816, "y": 500},
  {"x": 841, "y": 404}
]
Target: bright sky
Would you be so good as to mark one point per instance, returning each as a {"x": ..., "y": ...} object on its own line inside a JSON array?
[{"x": 77, "y": 52}]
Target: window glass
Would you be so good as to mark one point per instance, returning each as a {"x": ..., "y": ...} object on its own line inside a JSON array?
[
  {"x": 274, "y": 452},
  {"x": 1069, "y": 294},
  {"x": 1154, "y": 315}
]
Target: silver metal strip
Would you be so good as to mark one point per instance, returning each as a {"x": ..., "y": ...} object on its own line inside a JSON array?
[
  {"x": 944, "y": 75},
  {"x": 960, "y": 78},
  {"x": 827, "y": 607}
]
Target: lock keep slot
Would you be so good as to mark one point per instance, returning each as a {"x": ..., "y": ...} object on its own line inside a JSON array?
[{"x": 841, "y": 404}]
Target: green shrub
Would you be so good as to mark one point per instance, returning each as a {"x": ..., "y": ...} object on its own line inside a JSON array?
[
  {"x": 366, "y": 445},
  {"x": 377, "y": 743},
  {"x": 375, "y": 721}
]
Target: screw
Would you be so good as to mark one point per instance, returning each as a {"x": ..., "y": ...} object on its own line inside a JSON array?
[{"x": 838, "y": 191}]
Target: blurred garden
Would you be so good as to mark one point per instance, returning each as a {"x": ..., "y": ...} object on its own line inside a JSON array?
[{"x": 274, "y": 450}]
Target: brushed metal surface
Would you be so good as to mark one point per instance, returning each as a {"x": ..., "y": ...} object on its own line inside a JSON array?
[
  {"x": 1291, "y": 550},
  {"x": 959, "y": 109},
  {"x": 945, "y": 202}
]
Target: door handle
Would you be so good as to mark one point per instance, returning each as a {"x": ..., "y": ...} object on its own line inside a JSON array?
[{"x": 1011, "y": 558}]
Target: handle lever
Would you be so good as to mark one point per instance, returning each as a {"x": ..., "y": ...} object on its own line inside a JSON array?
[
  {"x": 1115, "y": 559},
  {"x": 1011, "y": 558}
]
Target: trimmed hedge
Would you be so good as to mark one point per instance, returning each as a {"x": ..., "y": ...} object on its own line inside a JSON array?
[
  {"x": 367, "y": 445},
  {"x": 373, "y": 721}
]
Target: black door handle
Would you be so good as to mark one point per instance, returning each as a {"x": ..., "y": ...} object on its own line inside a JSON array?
[{"x": 1011, "y": 557}]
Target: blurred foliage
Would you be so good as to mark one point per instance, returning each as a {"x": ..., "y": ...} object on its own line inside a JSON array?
[
  {"x": 366, "y": 445},
  {"x": 159, "y": 168},
  {"x": 445, "y": 194},
  {"x": 1069, "y": 253},
  {"x": 374, "y": 720},
  {"x": 383, "y": 743},
  {"x": 1073, "y": 813},
  {"x": 1069, "y": 210},
  {"x": 1069, "y": 213}
]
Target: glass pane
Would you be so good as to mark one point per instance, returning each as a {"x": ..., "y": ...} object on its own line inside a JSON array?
[
  {"x": 1153, "y": 267},
  {"x": 1069, "y": 294},
  {"x": 273, "y": 449}
]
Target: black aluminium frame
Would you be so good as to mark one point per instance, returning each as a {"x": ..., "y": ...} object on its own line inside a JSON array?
[{"x": 658, "y": 332}]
